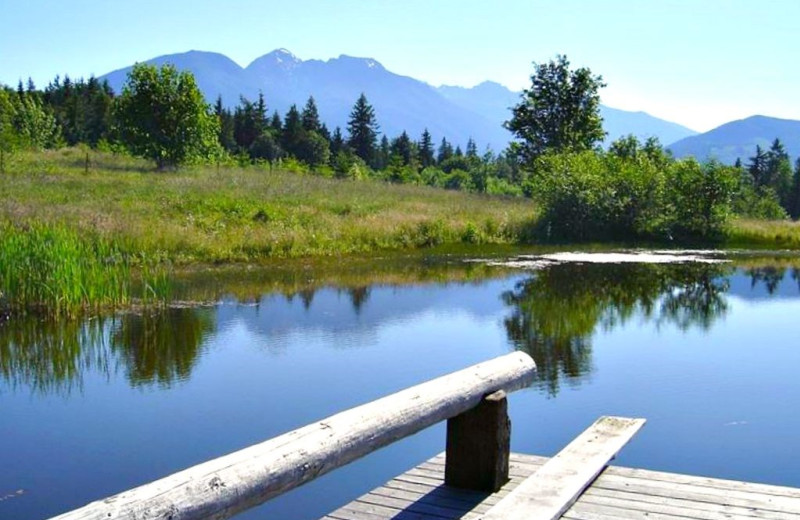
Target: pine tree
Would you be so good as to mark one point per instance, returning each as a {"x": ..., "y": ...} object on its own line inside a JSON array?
[
  {"x": 384, "y": 154},
  {"x": 337, "y": 142},
  {"x": 472, "y": 149},
  {"x": 292, "y": 136},
  {"x": 401, "y": 148},
  {"x": 758, "y": 168},
  {"x": 779, "y": 172},
  {"x": 261, "y": 113},
  {"x": 275, "y": 123},
  {"x": 246, "y": 124},
  {"x": 426, "y": 149},
  {"x": 794, "y": 194},
  {"x": 445, "y": 151},
  {"x": 363, "y": 130},
  {"x": 310, "y": 116},
  {"x": 226, "y": 125}
]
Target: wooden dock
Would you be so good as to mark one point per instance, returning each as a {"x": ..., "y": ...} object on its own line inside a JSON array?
[
  {"x": 476, "y": 478},
  {"x": 618, "y": 493}
]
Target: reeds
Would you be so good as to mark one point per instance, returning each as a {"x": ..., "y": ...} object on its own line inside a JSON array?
[{"x": 52, "y": 270}]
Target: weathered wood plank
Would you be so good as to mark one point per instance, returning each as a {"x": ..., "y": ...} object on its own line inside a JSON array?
[
  {"x": 478, "y": 446},
  {"x": 699, "y": 494},
  {"x": 673, "y": 506},
  {"x": 556, "y": 485},
  {"x": 621, "y": 497},
  {"x": 222, "y": 487}
]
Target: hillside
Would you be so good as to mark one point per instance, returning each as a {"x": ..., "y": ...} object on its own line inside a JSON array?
[{"x": 738, "y": 139}]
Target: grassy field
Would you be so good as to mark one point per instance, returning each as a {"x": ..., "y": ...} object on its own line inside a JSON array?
[
  {"x": 74, "y": 238},
  {"x": 245, "y": 215}
]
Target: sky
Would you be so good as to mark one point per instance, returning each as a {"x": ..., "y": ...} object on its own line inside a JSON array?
[{"x": 699, "y": 63}]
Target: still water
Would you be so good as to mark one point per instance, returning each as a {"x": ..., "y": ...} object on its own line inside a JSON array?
[{"x": 708, "y": 353}]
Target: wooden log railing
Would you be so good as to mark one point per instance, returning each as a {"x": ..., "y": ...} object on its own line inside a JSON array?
[{"x": 220, "y": 488}]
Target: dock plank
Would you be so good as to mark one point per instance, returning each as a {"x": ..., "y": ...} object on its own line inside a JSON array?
[
  {"x": 617, "y": 494},
  {"x": 548, "y": 493}
]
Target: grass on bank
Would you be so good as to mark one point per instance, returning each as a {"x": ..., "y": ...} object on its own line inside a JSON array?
[
  {"x": 764, "y": 234},
  {"x": 232, "y": 214}
]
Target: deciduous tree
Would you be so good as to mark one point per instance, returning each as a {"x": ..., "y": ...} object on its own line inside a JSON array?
[
  {"x": 162, "y": 116},
  {"x": 559, "y": 112}
]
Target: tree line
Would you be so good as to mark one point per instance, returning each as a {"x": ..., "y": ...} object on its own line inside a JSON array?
[
  {"x": 630, "y": 188},
  {"x": 161, "y": 115}
]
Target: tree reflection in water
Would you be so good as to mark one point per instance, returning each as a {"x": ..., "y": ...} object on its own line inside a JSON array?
[
  {"x": 556, "y": 311},
  {"x": 50, "y": 357},
  {"x": 161, "y": 347}
]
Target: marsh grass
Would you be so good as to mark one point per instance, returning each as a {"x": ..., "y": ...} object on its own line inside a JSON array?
[
  {"x": 56, "y": 271},
  {"x": 765, "y": 234}
]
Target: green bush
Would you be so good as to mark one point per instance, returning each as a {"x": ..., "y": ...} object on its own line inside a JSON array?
[{"x": 593, "y": 195}]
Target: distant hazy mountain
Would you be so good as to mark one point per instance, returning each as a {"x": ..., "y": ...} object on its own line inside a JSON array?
[
  {"x": 495, "y": 101},
  {"x": 738, "y": 139},
  {"x": 400, "y": 102}
]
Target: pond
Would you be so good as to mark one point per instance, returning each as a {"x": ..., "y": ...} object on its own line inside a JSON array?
[{"x": 707, "y": 352}]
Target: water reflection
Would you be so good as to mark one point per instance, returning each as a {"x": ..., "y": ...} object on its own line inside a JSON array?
[
  {"x": 553, "y": 314},
  {"x": 556, "y": 311},
  {"x": 160, "y": 347}
]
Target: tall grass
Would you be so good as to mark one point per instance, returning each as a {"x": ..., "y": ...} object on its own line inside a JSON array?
[{"x": 56, "y": 271}]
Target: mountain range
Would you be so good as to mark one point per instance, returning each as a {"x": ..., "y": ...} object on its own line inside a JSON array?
[
  {"x": 738, "y": 139},
  {"x": 400, "y": 102},
  {"x": 457, "y": 113}
]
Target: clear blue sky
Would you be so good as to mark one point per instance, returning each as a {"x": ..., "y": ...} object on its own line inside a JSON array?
[{"x": 699, "y": 62}]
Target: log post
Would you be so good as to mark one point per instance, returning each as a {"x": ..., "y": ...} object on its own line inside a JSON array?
[{"x": 478, "y": 446}]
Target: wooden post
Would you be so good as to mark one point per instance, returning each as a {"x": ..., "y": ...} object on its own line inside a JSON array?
[{"x": 478, "y": 446}]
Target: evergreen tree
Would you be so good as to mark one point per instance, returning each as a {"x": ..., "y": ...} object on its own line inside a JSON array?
[
  {"x": 794, "y": 194},
  {"x": 324, "y": 132},
  {"x": 426, "y": 149},
  {"x": 445, "y": 151},
  {"x": 401, "y": 148},
  {"x": 261, "y": 119},
  {"x": 275, "y": 123},
  {"x": 758, "y": 168},
  {"x": 310, "y": 116},
  {"x": 248, "y": 123},
  {"x": 779, "y": 172},
  {"x": 337, "y": 142},
  {"x": 472, "y": 149},
  {"x": 458, "y": 152},
  {"x": 292, "y": 135},
  {"x": 384, "y": 154},
  {"x": 226, "y": 126},
  {"x": 363, "y": 130}
]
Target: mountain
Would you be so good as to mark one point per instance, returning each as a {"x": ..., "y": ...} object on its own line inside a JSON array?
[
  {"x": 495, "y": 101},
  {"x": 619, "y": 123},
  {"x": 400, "y": 102},
  {"x": 738, "y": 139}
]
